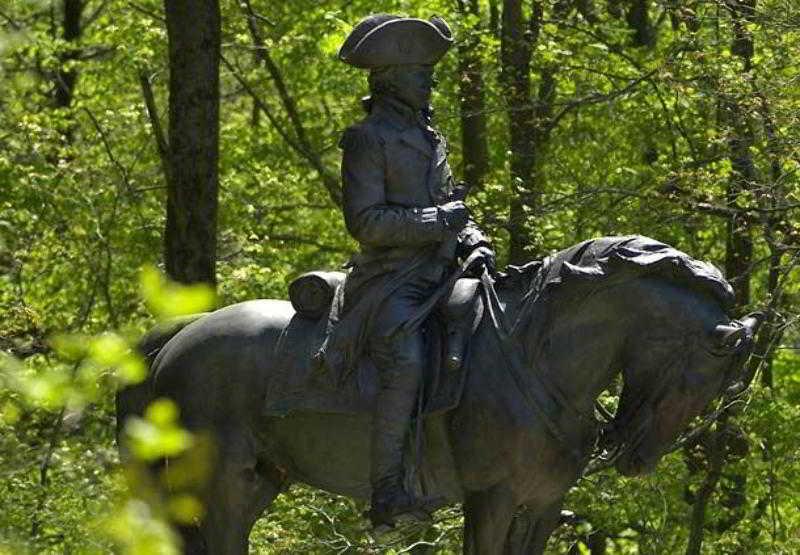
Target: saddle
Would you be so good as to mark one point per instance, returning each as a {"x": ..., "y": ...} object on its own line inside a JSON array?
[{"x": 302, "y": 385}]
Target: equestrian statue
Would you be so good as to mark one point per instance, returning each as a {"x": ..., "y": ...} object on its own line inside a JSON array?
[{"x": 421, "y": 376}]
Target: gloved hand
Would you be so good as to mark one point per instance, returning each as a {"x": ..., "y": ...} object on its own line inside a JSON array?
[
  {"x": 485, "y": 259},
  {"x": 454, "y": 214}
]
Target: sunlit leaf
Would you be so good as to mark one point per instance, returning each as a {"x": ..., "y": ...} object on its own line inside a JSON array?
[
  {"x": 162, "y": 412},
  {"x": 185, "y": 509},
  {"x": 167, "y": 299},
  {"x": 158, "y": 434},
  {"x": 73, "y": 347},
  {"x": 138, "y": 531}
]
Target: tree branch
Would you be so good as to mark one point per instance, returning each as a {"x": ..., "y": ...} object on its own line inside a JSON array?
[
  {"x": 11, "y": 21},
  {"x": 123, "y": 172},
  {"x": 149, "y": 13},
  {"x": 155, "y": 123},
  {"x": 297, "y": 147},
  {"x": 95, "y": 14},
  {"x": 331, "y": 182},
  {"x": 596, "y": 98}
]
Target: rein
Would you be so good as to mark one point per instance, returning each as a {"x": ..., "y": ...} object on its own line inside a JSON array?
[
  {"x": 611, "y": 428},
  {"x": 511, "y": 352}
]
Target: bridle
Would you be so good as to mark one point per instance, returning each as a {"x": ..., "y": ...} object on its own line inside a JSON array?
[{"x": 616, "y": 438}]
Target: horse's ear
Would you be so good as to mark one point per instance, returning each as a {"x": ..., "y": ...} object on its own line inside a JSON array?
[
  {"x": 752, "y": 322},
  {"x": 727, "y": 337},
  {"x": 749, "y": 326}
]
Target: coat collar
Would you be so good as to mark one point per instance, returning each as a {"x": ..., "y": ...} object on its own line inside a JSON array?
[
  {"x": 408, "y": 122},
  {"x": 398, "y": 113}
]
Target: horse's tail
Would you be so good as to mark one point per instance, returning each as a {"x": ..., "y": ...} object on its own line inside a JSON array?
[{"x": 133, "y": 399}]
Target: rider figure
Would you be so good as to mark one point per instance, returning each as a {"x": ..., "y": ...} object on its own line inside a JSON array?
[{"x": 398, "y": 204}]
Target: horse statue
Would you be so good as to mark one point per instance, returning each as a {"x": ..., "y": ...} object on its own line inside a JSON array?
[{"x": 554, "y": 337}]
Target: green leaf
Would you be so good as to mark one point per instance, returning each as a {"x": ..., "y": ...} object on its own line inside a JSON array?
[
  {"x": 167, "y": 299},
  {"x": 162, "y": 412},
  {"x": 185, "y": 508},
  {"x": 138, "y": 530},
  {"x": 108, "y": 349},
  {"x": 70, "y": 347}
]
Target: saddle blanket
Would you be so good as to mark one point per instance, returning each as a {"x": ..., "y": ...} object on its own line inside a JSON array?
[{"x": 300, "y": 384}]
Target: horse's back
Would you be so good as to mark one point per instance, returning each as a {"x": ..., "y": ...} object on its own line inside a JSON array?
[{"x": 216, "y": 367}]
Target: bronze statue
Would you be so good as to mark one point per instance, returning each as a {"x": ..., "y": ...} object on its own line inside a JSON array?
[
  {"x": 400, "y": 204},
  {"x": 504, "y": 427},
  {"x": 522, "y": 428}
]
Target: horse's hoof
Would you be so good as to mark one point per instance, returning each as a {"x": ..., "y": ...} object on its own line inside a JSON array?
[{"x": 382, "y": 522}]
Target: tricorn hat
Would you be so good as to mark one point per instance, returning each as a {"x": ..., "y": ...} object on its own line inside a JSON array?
[{"x": 385, "y": 40}]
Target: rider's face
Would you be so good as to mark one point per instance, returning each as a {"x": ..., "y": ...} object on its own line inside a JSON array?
[{"x": 414, "y": 85}]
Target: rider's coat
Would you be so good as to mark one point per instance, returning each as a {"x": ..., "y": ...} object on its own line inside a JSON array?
[{"x": 394, "y": 173}]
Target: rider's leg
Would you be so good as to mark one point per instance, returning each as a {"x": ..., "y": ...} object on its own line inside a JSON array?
[{"x": 400, "y": 359}]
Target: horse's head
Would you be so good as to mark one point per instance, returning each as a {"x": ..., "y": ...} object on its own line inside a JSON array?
[{"x": 670, "y": 376}]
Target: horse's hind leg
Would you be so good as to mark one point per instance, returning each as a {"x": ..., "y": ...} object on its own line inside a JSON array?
[
  {"x": 487, "y": 517},
  {"x": 530, "y": 530},
  {"x": 241, "y": 487}
]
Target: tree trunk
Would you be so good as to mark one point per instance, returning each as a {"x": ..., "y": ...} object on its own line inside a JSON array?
[
  {"x": 65, "y": 78},
  {"x": 474, "y": 141},
  {"x": 515, "y": 52},
  {"x": 715, "y": 455},
  {"x": 739, "y": 248},
  {"x": 638, "y": 18},
  {"x": 739, "y": 252},
  {"x": 190, "y": 237},
  {"x": 530, "y": 120},
  {"x": 738, "y": 261}
]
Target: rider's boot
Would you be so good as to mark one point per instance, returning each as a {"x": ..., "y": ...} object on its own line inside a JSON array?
[{"x": 400, "y": 361}]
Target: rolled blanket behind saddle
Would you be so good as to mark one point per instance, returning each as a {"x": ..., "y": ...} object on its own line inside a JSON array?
[{"x": 311, "y": 293}]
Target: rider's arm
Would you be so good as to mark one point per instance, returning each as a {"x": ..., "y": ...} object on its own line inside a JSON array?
[{"x": 367, "y": 215}]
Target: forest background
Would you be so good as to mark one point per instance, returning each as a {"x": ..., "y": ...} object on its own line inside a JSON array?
[{"x": 200, "y": 137}]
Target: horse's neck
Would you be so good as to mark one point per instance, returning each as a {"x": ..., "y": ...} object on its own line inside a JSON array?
[{"x": 581, "y": 345}]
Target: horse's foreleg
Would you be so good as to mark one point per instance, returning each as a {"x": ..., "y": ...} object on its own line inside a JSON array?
[
  {"x": 241, "y": 488},
  {"x": 487, "y": 517},
  {"x": 531, "y": 529}
]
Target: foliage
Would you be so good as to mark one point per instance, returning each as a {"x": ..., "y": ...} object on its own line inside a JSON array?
[{"x": 651, "y": 139}]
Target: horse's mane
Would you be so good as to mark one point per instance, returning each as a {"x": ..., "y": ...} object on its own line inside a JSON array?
[{"x": 608, "y": 261}]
